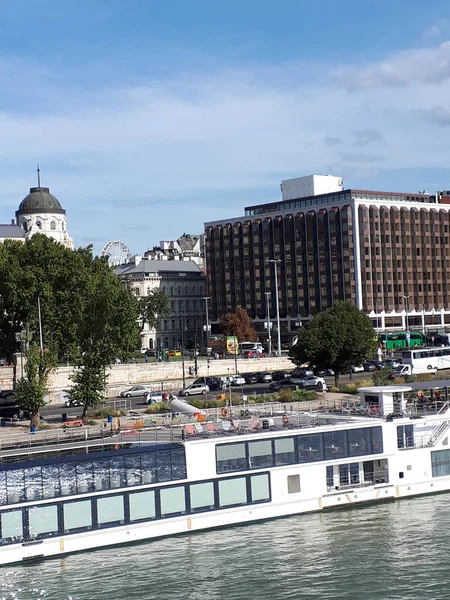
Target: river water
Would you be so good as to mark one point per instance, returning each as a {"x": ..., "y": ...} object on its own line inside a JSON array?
[{"x": 397, "y": 550}]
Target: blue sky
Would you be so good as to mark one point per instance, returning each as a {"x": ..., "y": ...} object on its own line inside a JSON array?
[{"x": 149, "y": 118}]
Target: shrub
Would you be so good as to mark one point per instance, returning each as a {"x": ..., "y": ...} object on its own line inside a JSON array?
[
  {"x": 285, "y": 395},
  {"x": 102, "y": 413},
  {"x": 303, "y": 396},
  {"x": 158, "y": 407},
  {"x": 350, "y": 388},
  {"x": 382, "y": 377}
]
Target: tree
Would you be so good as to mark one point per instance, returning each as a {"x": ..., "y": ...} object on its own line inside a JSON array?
[
  {"x": 238, "y": 324},
  {"x": 107, "y": 330},
  {"x": 336, "y": 338},
  {"x": 32, "y": 389},
  {"x": 85, "y": 311},
  {"x": 152, "y": 309}
]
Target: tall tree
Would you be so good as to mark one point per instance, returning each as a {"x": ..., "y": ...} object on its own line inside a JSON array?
[
  {"x": 238, "y": 324},
  {"x": 153, "y": 308},
  {"x": 336, "y": 338},
  {"x": 85, "y": 310}
]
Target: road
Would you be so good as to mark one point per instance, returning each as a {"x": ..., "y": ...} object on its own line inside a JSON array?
[{"x": 56, "y": 411}]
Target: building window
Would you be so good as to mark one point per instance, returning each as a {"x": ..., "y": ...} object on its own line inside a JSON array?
[
  {"x": 39, "y": 224},
  {"x": 53, "y": 226}
]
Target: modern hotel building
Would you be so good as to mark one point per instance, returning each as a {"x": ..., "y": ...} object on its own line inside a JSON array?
[{"x": 388, "y": 252}]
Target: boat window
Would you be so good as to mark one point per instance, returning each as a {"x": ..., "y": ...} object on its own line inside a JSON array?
[
  {"x": 117, "y": 472},
  {"x": 68, "y": 478},
  {"x": 134, "y": 474},
  {"x": 50, "y": 481},
  {"x": 440, "y": 463},
  {"x": 260, "y": 454},
  {"x": 11, "y": 527},
  {"x": 43, "y": 520},
  {"x": 377, "y": 440},
  {"x": 77, "y": 515},
  {"x": 260, "y": 488},
  {"x": 163, "y": 466},
  {"x": 232, "y": 492},
  {"x": 330, "y": 477},
  {"x": 293, "y": 483},
  {"x": 231, "y": 457},
  {"x": 344, "y": 476},
  {"x": 335, "y": 443},
  {"x": 202, "y": 496},
  {"x": 178, "y": 464},
  {"x": 33, "y": 483},
  {"x": 110, "y": 510},
  {"x": 148, "y": 466},
  {"x": 85, "y": 477},
  {"x": 310, "y": 447},
  {"x": 142, "y": 506},
  {"x": 101, "y": 475},
  {"x": 15, "y": 485},
  {"x": 173, "y": 501},
  {"x": 284, "y": 451},
  {"x": 3, "y": 498},
  {"x": 359, "y": 441},
  {"x": 405, "y": 436}
]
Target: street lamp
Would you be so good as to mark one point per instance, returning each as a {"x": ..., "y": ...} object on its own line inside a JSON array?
[
  {"x": 182, "y": 350},
  {"x": 269, "y": 334},
  {"x": 275, "y": 261},
  {"x": 208, "y": 326},
  {"x": 407, "y": 320}
]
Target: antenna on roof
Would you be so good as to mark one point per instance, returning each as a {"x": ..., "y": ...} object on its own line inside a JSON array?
[{"x": 39, "y": 175}]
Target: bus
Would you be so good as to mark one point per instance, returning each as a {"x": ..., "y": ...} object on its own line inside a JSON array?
[
  {"x": 426, "y": 360},
  {"x": 251, "y": 349},
  {"x": 392, "y": 341}
]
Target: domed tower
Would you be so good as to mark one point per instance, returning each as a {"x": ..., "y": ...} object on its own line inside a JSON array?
[{"x": 41, "y": 212}]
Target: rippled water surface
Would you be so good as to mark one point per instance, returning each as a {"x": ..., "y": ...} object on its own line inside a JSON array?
[{"x": 385, "y": 551}]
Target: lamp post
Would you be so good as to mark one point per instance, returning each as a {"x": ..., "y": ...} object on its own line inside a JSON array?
[
  {"x": 275, "y": 261},
  {"x": 407, "y": 320},
  {"x": 182, "y": 350},
  {"x": 269, "y": 334},
  {"x": 208, "y": 326},
  {"x": 229, "y": 387}
]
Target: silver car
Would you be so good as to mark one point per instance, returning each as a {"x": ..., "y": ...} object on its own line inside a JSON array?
[
  {"x": 136, "y": 390},
  {"x": 195, "y": 388}
]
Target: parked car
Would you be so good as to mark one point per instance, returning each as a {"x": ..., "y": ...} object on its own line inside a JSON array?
[
  {"x": 136, "y": 390},
  {"x": 7, "y": 394},
  {"x": 380, "y": 365},
  {"x": 72, "y": 402},
  {"x": 264, "y": 377},
  {"x": 300, "y": 372},
  {"x": 393, "y": 363},
  {"x": 193, "y": 389},
  {"x": 319, "y": 372},
  {"x": 280, "y": 375},
  {"x": 215, "y": 384},
  {"x": 250, "y": 378},
  {"x": 369, "y": 366},
  {"x": 159, "y": 396},
  {"x": 285, "y": 384},
  {"x": 357, "y": 369},
  {"x": 10, "y": 410},
  {"x": 312, "y": 381},
  {"x": 174, "y": 353},
  {"x": 237, "y": 380}
]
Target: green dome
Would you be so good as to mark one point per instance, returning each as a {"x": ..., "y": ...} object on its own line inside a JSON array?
[{"x": 39, "y": 200}]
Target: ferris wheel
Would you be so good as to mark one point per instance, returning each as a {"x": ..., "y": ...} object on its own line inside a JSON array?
[{"x": 117, "y": 252}]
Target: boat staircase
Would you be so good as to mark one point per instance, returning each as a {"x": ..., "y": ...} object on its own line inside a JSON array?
[{"x": 436, "y": 433}]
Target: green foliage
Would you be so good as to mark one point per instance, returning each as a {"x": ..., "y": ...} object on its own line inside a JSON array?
[
  {"x": 152, "y": 309},
  {"x": 104, "y": 412},
  {"x": 336, "y": 338},
  {"x": 157, "y": 408},
  {"x": 382, "y": 377},
  {"x": 89, "y": 386},
  {"x": 32, "y": 388},
  {"x": 303, "y": 396},
  {"x": 238, "y": 324}
]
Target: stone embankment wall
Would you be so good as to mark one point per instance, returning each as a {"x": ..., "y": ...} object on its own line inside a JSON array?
[{"x": 167, "y": 375}]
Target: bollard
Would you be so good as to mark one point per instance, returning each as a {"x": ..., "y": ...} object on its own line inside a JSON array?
[{"x": 32, "y": 429}]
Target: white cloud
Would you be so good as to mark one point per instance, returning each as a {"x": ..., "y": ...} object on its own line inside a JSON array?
[
  {"x": 425, "y": 65},
  {"x": 433, "y": 32},
  {"x": 173, "y": 154}
]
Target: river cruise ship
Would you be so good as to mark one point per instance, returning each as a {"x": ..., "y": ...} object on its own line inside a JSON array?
[{"x": 63, "y": 498}]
